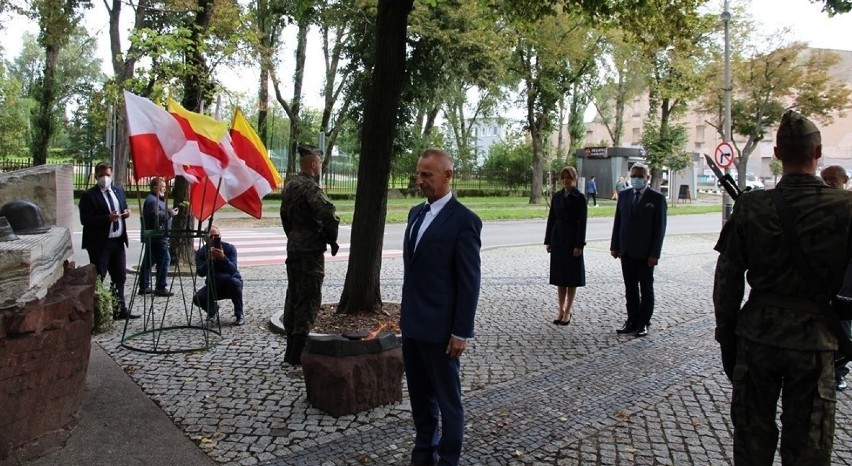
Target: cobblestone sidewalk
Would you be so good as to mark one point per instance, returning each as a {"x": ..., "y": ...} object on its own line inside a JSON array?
[{"x": 535, "y": 393}]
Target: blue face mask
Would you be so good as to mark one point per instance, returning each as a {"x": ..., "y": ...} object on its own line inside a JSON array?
[{"x": 637, "y": 183}]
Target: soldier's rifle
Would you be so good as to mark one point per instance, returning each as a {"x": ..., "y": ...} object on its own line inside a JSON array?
[{"x": 725, "y": 180}]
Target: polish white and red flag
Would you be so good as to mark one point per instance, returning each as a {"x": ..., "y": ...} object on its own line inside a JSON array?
[{"x": 155, "y": 137}]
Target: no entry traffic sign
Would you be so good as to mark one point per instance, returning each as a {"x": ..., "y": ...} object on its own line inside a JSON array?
[{"x": 724, "y": 155}]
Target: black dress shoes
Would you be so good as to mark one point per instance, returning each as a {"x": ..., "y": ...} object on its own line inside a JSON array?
[
  {"x": 627, "y": 328},
  {"x": 642, "y": 331},
  {"x": 124, "y": 315}
]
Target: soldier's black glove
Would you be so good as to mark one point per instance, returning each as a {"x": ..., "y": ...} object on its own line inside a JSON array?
[
  {"x": 334, "y": 248},
  {"x": 842, "y": 306},
  {"x": 729, "y": 360}
]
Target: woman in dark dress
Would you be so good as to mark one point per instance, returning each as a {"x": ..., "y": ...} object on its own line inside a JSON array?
[{"x": 565, "y": 239}]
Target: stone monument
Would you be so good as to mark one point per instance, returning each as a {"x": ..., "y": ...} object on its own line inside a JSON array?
[{"x": 46, "y": 312}]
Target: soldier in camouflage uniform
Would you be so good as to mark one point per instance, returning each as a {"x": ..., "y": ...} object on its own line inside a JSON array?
[
  {"x": 309, "y": 220},
  {"x": 779, "y": 343}
]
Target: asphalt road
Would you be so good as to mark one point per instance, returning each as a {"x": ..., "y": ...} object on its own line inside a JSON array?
[{"x": 495, "y": 234}]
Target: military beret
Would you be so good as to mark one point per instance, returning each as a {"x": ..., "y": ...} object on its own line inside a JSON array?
[
  {"x": 794, "y": 125},
  {"x": 309, "y": 150}
]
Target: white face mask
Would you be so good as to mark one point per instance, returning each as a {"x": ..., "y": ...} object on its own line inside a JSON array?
[
  {"x": 105, "y": 182},
  {"x": 637, "y": 183}
]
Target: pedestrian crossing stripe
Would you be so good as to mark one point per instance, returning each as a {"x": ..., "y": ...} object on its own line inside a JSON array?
[{"x": 256, "y": 248}]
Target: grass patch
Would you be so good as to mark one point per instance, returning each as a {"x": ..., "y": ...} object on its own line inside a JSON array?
[{"x": 488, "y": 209}]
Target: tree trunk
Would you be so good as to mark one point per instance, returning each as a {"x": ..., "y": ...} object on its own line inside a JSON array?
[
  {"x": 361, "y": 290},
  {"x": 43, "y": 127},
  {"x": 296, "y": 103},
  {"x": 124, "y": 67},
  {"x": 576, "y": 125},
  {"x": 657, "y": 168},
  {"x": 196, "y": 88},
  {"x": 263, "y": 102},
  {"x": 537, "y": 166},
  {"x": 741, "y": 162},
  {"x": 618, "y": 127},
  {"x": 560, "y": 141}
]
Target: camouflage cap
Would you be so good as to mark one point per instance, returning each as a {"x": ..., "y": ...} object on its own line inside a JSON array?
[
  {"x": 309, "y": 150},
  {"x": 794, "y": 125}
]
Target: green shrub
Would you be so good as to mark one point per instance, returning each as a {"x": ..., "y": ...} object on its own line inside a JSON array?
[{"x": 103, "y": 308}]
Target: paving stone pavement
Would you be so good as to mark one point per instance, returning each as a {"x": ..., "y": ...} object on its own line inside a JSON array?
[{"x": 534, "y": 393}]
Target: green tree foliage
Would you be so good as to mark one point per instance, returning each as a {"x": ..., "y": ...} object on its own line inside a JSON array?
[
  {"x": 14, "y": 116},
  {"x": 457, "y": 53},
  {"x": 293, "y": 107},
  {"x": 58, "y": 20},
  {"x": 509, "y": 161},
  {"x": 664, "y": 145},
  {"x": 678, "y": 61},
  {"x": 77, "y": 65},
  {"x": 550, "y": 56},
  {"x": 581, "y": 95},
  {"x": 266, "y": 19},
  {"x": 834, "y": 7},
  {"x": 624, "y": 73},
  {"x": 764, "y": 79},
  {"x": 88, "y": 125},
  {"x": 77, "y": 74},
  {"x": 336, "y": 24}
]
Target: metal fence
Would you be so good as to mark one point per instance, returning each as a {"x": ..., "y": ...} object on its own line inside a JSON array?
[{"x": 339, "y": 181}]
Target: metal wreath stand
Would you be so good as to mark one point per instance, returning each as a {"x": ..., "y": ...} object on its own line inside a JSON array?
[{"x": 164, "y": 331}]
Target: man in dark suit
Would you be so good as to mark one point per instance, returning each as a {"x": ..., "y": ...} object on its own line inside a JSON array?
[
  {"x": 637, "y": 238},
  {"x": 103, "y": 213},
  {"x": 439, "y": 295}
]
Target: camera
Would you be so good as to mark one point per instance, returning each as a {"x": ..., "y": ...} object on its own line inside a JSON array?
[{"x": 217, "y": 242}]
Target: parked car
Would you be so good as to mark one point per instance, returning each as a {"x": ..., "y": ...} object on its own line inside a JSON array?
[{"x": 754, "y": 182}]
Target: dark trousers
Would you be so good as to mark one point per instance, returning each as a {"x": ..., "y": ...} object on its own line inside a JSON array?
[
  {"x": 231, "y": 288},
  {"x": 840, "y": 359},
  {"x": 638, "y": 289},
  {"x": 305, "y": 274},
  {"x": 155, "y": 253},
  {"x": 805, "y": 382},
  {"x": 112, "y": 259},
  {"x": 593, "y": 197},
  {"x": 434, "y": 389}
]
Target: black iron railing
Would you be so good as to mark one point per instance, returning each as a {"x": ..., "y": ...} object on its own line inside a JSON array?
[{"x": 337, "y": 181}]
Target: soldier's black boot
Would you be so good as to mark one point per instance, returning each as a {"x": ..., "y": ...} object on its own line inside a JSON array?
[
  {"x": 289, "y": 351},
  {"x": 298, "y": 345}
]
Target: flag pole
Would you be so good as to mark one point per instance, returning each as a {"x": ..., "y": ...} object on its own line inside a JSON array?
[{"x": 218, "y": 187}]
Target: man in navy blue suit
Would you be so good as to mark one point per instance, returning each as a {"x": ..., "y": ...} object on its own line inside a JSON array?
[
  {"x": 439, "y": 295},
  {"x": 637, "y": 239},
  {"x": 103, "y": 211}
]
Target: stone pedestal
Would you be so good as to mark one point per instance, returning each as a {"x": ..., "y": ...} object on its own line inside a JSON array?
[
  {"x": 44, "y": 356},
  {"x": 346, "y": 377},
  {"x": 51, "y": 187},
  {"x": 31, "y": 264}
]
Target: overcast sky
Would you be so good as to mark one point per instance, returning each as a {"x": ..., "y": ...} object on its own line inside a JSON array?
[{"x": 808, "y": 22}]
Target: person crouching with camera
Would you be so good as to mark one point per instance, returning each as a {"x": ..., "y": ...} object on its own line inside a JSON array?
[{"x": 217, "y": 260}]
